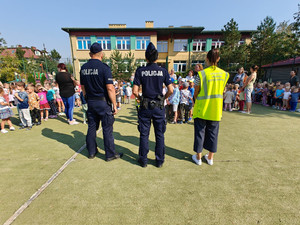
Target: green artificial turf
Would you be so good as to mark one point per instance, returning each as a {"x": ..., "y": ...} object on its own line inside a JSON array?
[{"x": 254, "y": 179}]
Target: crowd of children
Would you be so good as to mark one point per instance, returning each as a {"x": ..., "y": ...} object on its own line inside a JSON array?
[
  {"x": 34, "y": 103},
  {"x": 276, "y": 95},
  {"x": 179, "y": 105},
  {"x": 123, "y": 93}
]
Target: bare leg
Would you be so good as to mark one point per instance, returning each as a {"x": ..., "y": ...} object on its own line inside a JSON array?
[
  {"x": 2, "y": 124},
  {"x": 248, "y": 105},
  {"x": 9, "y": 123},
  {"x": 199, "y": 156},
  {"x": 210, "y": 155},
  {"x": 47, "y": 113},
  {"x": 42, "y": 114}
]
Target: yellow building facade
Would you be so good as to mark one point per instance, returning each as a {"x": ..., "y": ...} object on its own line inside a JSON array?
[{"x": 178, "y": 47}]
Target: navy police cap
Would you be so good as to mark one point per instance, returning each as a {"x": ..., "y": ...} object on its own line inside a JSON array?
[
  {"x": 150, "y": 48},
  {"x": 95, "y": 48}
]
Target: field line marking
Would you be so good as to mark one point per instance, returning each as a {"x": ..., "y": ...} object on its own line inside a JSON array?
[{"x": 44, "y": 186}]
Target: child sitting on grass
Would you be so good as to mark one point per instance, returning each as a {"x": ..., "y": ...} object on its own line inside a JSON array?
[{"x": 5, "y": 113}]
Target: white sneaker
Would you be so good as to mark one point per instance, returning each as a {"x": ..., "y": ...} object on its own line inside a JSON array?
[
  {"x": 209, "y": 161},
  {"x": 3, "y": 131},
  {"x": 73, "y": 122},
  {"x": 12, "y": 128},
  {"x": 198, "y": 162}
]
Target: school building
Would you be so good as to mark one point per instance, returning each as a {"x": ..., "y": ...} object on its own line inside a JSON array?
[{"x": 178, "y": 47}]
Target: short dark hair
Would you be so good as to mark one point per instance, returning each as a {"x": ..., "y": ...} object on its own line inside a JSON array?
[{"x": 21, "y": 84}]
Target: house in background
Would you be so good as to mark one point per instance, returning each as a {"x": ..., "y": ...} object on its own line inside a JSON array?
[
  {"x": 280, "y": 71},
  {"x": 178, "y": 47},
  {"x": 31, "y": 52}
]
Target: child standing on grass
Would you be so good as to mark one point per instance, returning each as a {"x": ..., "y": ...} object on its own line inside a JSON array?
[
  {"x": 278, "y": 96},
  {"x": 175, "y": 101},
  {"x": 128, "y": 92},
  {"x": 44, "y": 105},
  {"x": 241, "y": 101},
  {"x": 185, "y": 97},
  {"x": 228, "y": 96},
  {"x": 265, "y": 95},
  {"x": 286, "y": 96},
  {"x": 5, "y": 113},
  {"x": 34, "y": 105},
  {"x": 51, "y": 100},
  {"x": 11, "y": 95},
  {"x": 294, "y": 98},
  {"x": 84, "y": 107},
  {"x": 59, "y": 101},
  {"x": 23, "y": 106}
]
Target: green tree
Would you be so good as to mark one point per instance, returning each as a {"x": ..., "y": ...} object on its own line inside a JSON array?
[
  {"x": 264, "y": 44},
  {"x": 54, "y": 55},
  {"x": 117, "y": 64},
  {"x": 232, "y": 54},
  {"x": 30, "y": 79},
  {"x": 131, "y": 64},
  {"x": 296, "y": 33},
  {"x": 9, "y": 65},
  {"x": 43, "y": 79},
  {"x": 2, "y": 42}
]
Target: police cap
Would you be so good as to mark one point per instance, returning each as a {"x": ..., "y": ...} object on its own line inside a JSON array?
[
  {"x": 151, "y": 52},
  {"x": 95, "y": 48}
]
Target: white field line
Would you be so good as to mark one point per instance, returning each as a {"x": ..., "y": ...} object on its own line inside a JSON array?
[{"x": 44, "y": 186}]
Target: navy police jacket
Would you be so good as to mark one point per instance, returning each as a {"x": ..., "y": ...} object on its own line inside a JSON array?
[
  {"x": 152, "y": 77},
  {"x": 94, "y": 75}
]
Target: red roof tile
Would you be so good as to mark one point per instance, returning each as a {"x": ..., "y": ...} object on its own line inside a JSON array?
[
  {"x": 284, "y": 62},
  {"x": 12, "y": 52}
]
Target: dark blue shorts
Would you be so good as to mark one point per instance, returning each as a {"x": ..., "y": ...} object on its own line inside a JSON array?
[{"x": 206, "y": 135}]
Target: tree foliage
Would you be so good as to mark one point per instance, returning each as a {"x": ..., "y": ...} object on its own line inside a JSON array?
[
  {"x": 8, "y": 67},
  {"x": 233, "y": 55},
  {"x": 122, "y": 66}
]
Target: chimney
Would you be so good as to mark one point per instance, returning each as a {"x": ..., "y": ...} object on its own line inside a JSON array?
[
  {"x": 32, "y": 47},
  {"x": 149, "y": 24},
  {"x": 117, "y": 25},
  {"x": 19, "y": 46}
]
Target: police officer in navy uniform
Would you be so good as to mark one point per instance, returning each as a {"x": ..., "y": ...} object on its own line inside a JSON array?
[
  {"x": 152, "y": 77},
  {"x": 99, "y": 92}
]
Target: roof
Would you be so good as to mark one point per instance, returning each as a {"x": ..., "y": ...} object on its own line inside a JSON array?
[
  {"x": 286, "y": 62},
  {"x": 159, "y": 30},
  {"x": 12, "y": 51}
]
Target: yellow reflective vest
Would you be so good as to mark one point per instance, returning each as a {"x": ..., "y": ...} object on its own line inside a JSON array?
[{"x": 209, "y": 102}]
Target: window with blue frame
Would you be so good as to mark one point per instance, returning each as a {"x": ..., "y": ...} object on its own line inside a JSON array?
[
  {"x": 142, "y": 43},
  {"x": 104, "y": 42},
  {"x": 123, "y": 43},
  {"x": 162, "y": 46},
  {"x": 83, "y": 43}
]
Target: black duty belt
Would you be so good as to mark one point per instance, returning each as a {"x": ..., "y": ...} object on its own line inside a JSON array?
[{"x": 97, "y": 98}]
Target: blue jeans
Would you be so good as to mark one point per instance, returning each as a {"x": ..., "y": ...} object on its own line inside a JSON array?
[
  {"x": 293, "y": 106},
  {"x": 69, "y": 106}
]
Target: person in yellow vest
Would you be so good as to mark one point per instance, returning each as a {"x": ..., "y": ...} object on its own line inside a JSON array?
[{"x": 209, "y": 87}]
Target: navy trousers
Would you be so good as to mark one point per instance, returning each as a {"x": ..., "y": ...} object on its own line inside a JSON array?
[
  {"x": 100, "y": 111},
  {"x": 157, "y": 116},
  {"x": 206, "y": 135}
]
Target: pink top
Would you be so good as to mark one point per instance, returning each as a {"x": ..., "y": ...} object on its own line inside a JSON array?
[{"x": 43, "y": 97}]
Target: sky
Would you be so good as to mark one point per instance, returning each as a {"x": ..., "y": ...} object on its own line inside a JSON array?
[{"x": 35, "y": 22}]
